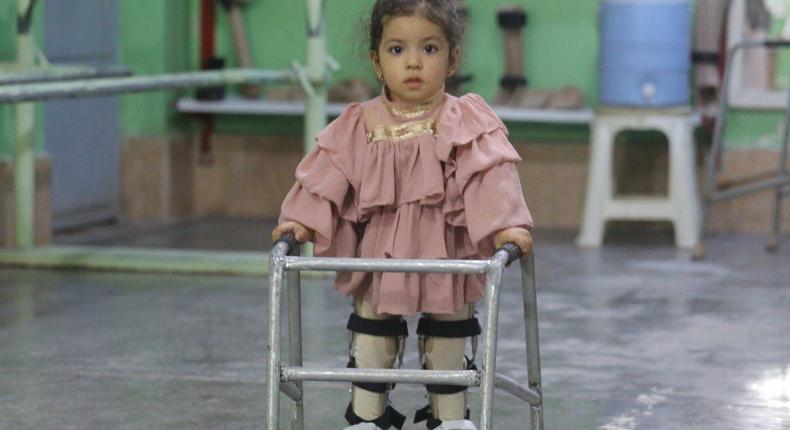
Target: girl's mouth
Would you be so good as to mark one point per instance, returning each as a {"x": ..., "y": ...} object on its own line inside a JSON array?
[{"x": 413, "y": 81}]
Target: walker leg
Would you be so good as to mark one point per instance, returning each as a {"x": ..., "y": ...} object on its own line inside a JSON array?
[
  {"x": 773, "y": 240},
  {"x": 273, "y": 344},
  {"x": 295, "y": 341},
  {"x": 532, "y": 340},
  {"x": 493, "y": 282}
]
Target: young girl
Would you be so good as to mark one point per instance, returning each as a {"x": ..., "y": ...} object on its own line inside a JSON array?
[{"x": 413, "y": 173}]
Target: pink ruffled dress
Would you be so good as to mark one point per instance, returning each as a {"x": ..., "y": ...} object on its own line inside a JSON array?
[{"x": 387, "y": 183}]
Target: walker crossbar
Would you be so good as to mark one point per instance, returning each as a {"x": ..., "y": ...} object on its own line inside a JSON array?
[
  {"x": 386, "y": 265},
  {"x": 469, "y": 378},
  {"x": 284, "y": 275}
]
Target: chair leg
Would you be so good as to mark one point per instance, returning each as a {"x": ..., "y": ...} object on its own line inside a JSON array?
[
  {"x": 683, "y": 188},
  {"x": 599, "y": 187}
]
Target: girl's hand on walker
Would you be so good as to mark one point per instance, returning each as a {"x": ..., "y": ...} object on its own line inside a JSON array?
[
  {"x": 519, "y": 236},
  {"x": 301, "y": 233}
]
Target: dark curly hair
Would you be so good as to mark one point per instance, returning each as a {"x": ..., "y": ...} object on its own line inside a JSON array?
[{"x": 443, "y": 13}]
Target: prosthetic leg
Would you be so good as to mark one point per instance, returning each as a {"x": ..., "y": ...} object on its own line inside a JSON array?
[
  {"x": 374, "y": 342},
  {"x": 511, "y": 87},
  {"x": 442, "y": 341},
  {"x": 455, "y": 81}
]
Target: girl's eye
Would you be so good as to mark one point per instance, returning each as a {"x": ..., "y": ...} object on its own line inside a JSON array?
[
  {"x": 431, "y": 49},
  {"x": 397, "y": 49}
]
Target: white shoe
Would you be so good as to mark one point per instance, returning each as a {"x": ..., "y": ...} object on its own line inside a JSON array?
[
  {"x": 457, "y": 425},
  {"x": 364, "y": 426}
]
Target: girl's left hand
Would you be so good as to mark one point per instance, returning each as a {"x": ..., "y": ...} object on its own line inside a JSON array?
[{"x": 519, "y": 236}]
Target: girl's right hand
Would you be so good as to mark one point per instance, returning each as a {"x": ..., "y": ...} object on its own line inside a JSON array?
[{"x": 301, "y": 233}]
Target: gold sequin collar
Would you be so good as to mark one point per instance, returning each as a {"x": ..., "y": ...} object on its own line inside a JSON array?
[
  {"x": 400, "y": 132},
  {"x": 406, "y": 111}
]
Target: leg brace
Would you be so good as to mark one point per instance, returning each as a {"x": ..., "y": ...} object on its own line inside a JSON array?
[
  {"x": 442, "y": 344},
  {"x": 374, "y": 342}
]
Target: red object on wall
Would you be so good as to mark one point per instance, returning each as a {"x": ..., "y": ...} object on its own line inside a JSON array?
[{"x": 208, "y": 14}]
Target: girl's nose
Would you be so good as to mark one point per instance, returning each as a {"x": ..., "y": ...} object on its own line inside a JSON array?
[{"x": 415, "y": 62}]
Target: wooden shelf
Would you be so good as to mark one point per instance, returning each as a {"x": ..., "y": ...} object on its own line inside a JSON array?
[{"x": 238, "y": 106}]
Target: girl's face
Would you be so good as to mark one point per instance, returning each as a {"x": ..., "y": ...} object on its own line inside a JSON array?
[{"x": 414, "y": 58}]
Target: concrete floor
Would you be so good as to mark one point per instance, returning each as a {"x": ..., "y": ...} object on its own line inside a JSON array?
[{"x": 633, "y": 336}]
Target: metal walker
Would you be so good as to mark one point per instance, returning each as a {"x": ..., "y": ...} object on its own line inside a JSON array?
[
  {"x": 284, "y": 274},
  {"x": 779, "y": 182}
]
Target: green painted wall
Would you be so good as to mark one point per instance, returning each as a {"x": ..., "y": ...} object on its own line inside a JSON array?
[
  {"x": 154, "y": 39},
  {"x": 162, "y": 37},
  {"x": 561, "y": 49},
  {"x": 7, "y": 54},
  {"x": 277, "y": 37}
]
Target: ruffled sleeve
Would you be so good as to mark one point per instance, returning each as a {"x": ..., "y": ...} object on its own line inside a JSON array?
[
  {"x": 323, "y": 197},
  {"x": 481, "y": 173}
]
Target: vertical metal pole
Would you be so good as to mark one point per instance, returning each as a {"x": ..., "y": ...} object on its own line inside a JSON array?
[
  {"x": 24, "y": 154},
  {"x": 315, "y": 111},
  {"x": 295, "y": 340},
  {"x": 493, "y": 281},
  {"x": 773, "y": 239},
  {"x": 715, "y": 152},
  {"x": 273, "y": 344},
  {"x": 532, "y": 340}
]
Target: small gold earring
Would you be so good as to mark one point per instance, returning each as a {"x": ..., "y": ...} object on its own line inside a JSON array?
[{"x": 380, "y": 75}]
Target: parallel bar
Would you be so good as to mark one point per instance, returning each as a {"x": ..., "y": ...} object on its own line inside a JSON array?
[
  {"x": 292, "y": 391},
  {"x": 469, "y": 378},
  {"x": 24, "y": 148},
  {"x": 315, "y": 106},
  {"x": 511, "y": 386},
  {"x": 387, "y": 265},
  {"x": 113, "y": 86},
  {"x": 61, "y": 73},
  {"x": 139, "y": 259}
]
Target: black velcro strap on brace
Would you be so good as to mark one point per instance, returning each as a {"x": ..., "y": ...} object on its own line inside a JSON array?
[
  {"x": 445, "y": 389},
  {"x": 463, "y": 328},
  {"x": 426, "y": 414},
  {"x": 512, "y": 19},
  {"x": 390, "y": 418},
  {"x": 512, "y": 82},
  {"x": 376, "y": 387},
  {"x": 705, "y": 57},
  {"x": 393, "y": 327}
]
